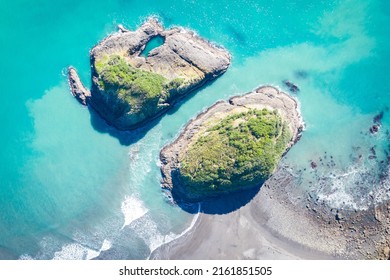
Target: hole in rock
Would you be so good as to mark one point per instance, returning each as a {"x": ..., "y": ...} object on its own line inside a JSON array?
[{"x": 153, "y": 43}]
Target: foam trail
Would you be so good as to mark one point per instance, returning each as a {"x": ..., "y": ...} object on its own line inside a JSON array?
[
  {"x": 105, "y": 246},
  {"x": 171, "y": 237},
  {"x": 75, "y": 251},
  {"x": 132, "y": 209},
  {"x": 382, "y": 193},
  {"x": 349, "y": 189},
  {"x": 25, "y": 257},
  {"x": 71, "y": 251},
  {"x": 147, "y": 229}
]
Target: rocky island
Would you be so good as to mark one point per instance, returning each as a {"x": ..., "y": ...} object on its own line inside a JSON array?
[
  {"x": 234, "y": 145},
  {"x": 138, "y": 75},
  {"x": 198, "y": 165}
]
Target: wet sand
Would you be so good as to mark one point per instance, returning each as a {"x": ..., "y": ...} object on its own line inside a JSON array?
[
  {"x": 247, "y": 233},
  {"x": 270, "y": 226}
]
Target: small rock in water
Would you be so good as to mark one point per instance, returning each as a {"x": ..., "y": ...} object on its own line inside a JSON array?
[
  {"x": 301, "y": 74},
  {"x": 313, "y": 165},
  {"x": 378, "y": 118},
  {"x": 377, "y": 123},
  {"x": 291, "y": 86},
  {"x": 374, "y": 129}
]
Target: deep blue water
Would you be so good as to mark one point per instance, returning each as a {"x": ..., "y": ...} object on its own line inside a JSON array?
[{"x": 70, "y": 190}]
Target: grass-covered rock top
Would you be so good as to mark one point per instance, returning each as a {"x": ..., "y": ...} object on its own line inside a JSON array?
[
  {"x": 139, "y": 90},
  {"x": 240, "y": 150},
  {"x": 232, "y": 146},
  {"x": 138, "y": 75}
]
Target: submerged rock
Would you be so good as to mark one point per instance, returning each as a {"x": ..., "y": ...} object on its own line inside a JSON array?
[
  {"x": 234, "y": 145},
  {"x": 301, "y": 74},
  {"x": 377, "y": 120},
  {"x": 291, "y": 86},
  {"x": 374, "y": 128},
  {"x": 129, "y": 89}
]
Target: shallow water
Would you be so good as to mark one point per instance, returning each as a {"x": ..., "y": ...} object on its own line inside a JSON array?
[
  {"x": 70, "y": 189},
  {"x": 155, "y": 42}
]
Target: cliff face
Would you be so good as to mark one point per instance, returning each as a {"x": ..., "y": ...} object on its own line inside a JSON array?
[
  {"x": 233, "y": 145},
  {"x": 130, "y": 88}
]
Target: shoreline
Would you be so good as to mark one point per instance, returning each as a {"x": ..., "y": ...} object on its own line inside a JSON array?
[
  {"x": 270, "y": 226},
  {"x": 188, "y": 230},
  {"x": 248, "y": 233}
]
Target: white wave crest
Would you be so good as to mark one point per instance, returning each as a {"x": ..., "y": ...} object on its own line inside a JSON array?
[
  {"x": 132, "y": 209},
  {"x": 171, "y": 237},
  {"x": 357, "y": 188},
  {"x": 75, "y": 251},
  {"x": 106, "y": 245}
]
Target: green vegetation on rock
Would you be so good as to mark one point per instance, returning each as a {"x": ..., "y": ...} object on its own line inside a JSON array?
[
  {"x": 141, "y": 90},
  {"x": 241, "y": 150}
]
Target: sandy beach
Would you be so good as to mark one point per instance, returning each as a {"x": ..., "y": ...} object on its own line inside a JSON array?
[{"x": 270, "y": 226}]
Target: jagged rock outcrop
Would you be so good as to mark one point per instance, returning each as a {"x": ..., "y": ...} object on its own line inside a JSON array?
[
  {"x": 130, "y": 88},
  {"x": 77, "y": 88}
]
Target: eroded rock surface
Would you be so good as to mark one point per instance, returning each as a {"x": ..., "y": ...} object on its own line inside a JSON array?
[{"x": 129, "y": 89}]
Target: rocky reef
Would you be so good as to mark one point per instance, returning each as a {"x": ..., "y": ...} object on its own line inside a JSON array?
[
  {"x": 129, "y": 87},
  {"x": 234, "y": 145}
]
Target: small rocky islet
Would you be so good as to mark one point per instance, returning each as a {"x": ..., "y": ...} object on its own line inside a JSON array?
[
  {"x": 233, "y": 146},
  {"x": 129, "y": 87}
]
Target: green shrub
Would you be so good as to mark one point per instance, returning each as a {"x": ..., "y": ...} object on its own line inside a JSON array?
[
  {"x": 242, "y": 149},
  {"x": 140, "y": 89}
]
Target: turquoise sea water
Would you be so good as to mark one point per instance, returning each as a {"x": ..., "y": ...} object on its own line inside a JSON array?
[{"x": 70, "y": 190}]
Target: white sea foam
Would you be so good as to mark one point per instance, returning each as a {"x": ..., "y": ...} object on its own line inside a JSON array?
[
  {"x": 25, "y": 257},
  {"x": 75, "y": 251},
  {"x": 145, "y": 226},
  {"x": 106, "y": 245},
  {"x": 339, "y": 198},
  {"x": 382, "y": 193},
  {"x": 349, "y": 189},
  {"x": 132, "y": 209},
  {"x": 148, "y": 230},
  {"x": 171, "y": 237}
]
